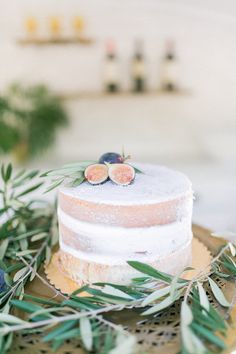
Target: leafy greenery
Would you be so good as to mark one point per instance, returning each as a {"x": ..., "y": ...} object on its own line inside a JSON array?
[
  {"x": 28, "y": 231},
  {"x": 73, "y": 173},
  {"x": 29, "y": 117}
]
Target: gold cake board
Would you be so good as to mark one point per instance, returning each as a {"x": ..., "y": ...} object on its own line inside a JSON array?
[
  {"x": 57, "y": 276},
  {"x": 154, "y": 335}
]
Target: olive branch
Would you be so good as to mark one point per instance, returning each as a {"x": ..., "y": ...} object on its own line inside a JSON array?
[{"x": 27, "y": 234}]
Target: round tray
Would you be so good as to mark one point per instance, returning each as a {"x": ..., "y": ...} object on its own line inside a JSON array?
[{"x": 159, "y": 334}]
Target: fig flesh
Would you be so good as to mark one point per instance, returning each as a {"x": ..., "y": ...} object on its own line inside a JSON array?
[
  {"x": 96, "y": 173},
  {"x": 121, "y": 173}
]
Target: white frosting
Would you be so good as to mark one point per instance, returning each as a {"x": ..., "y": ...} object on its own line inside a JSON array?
[
  {"x": 104, "y": 243},
  {"x": 111, "y": 260},
  {"x": 156, "y": 184},
  {"x": 115, "y": 245}
]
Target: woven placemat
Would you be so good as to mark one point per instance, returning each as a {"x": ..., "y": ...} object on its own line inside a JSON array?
[{"x": 159, "y": 334}]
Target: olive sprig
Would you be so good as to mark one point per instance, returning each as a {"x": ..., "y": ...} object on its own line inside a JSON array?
[
  {"x": 110, "y": 165},
  {"x": 28, "y": 231}
]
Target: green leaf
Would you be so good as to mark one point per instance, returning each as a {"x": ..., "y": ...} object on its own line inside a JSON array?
[
  {"x": 78, "y": 181},
  {"x": 29, "y": 190},
  {"x": 186, "y": 314},
  {"x": 80, "y": 304},
  {"x": 26, "y": 306},
  {"x": 129, "y": 290},
  {"x": 54, "y": 185},
  {"x": 14, "y": 267},
  {"x": 168, "y": 301},
  {"x": 59, "y": 330},
  {"x": 48, "y": 255},
  {"x": 203, "y": 297},
  {"x": 191, "y": 342},
  {"x": 8, "y": 172},
  {"x": 147, "y": 269},
  {"x": 211, "y": 337},
  {"x": 25, "y": 253},
  {"x": 174, "y": 284},
  {"x": 3, "y": 248},
  {"x": 73, "y": 333},
  {"x": 86, "y": 333},
  {"x": 125, "y": 344},
  {"x": 40, "y": 300},
  {"x": 110, "y": 290},
  {"x": 137, "y": 170},
  {"x": 6, "y": 318},
  {"x": 56, "y": 344},
  {"x": 20, "y": 274},
  {"x": 232, "y": 249},
  {"x": 218, "y": 293},
  {"x": 156, "y": 295},
  {"x": 108, "y": 297},
  {"x": 39, "y": 236},
  {"x": 23, "y": 177}
]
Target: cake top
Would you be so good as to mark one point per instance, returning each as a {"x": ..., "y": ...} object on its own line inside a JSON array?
[{"x": 154, "y": 185}]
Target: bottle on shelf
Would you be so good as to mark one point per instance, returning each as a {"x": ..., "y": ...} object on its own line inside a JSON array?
[
  {"x": 138, "y": 70},
  {"x": 111, "y": 68},
  {"x": 169, "y": 68}
]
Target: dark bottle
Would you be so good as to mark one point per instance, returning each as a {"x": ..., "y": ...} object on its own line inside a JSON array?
[
  {"x": 169, "y": 68},
  {"x": 138, "y": 71},
  {"x": 111, "y": 68}
]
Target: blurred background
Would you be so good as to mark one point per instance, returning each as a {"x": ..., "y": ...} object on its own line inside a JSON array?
[{"x": 80, "y": 78}]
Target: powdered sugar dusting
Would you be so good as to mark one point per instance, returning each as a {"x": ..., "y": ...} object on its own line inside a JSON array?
[{"x": 156, "y": 184}]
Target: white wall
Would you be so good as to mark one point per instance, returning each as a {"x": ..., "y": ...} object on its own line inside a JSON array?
[
  {"x": 204, "y": 31},
  {"x": 202, "y": 124},
  {"x": 175, "y": 130}
]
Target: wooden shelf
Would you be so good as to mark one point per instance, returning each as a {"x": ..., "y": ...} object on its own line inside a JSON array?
[
  {"x": 55, "y": 41},
  {"x": 122, "y": 94}
]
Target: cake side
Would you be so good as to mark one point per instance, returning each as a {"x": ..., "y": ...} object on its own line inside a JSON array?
[
  {"x": 88, "y": 272},
  {"x": 158, "y": 196},
  {"x": 102, "y": 227},
  {"x": 114, "y": 245}
]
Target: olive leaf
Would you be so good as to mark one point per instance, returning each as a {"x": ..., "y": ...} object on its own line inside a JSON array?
[
  {"x": 124, "y": 344},
  {"x": 203, "y": 297},
  {"x": 168, "y": 301},
  {"x": 232, "y": 249},
  {"x": 156, "y": 295},
  {"x": 147, "y": 269},
  {"x": 19, "y": 274},
  {"x": 86, "y": 333},
  {"x": 3, "y": 248},
  {"x": 218, "y": 293},
  {"x": 186, "y": 314},
  {"x": 110, "y": 290},
  {"x": 205, "y": 333},
  {"x": 10, "y": 319},
  {"x": 63, "y": 328}
]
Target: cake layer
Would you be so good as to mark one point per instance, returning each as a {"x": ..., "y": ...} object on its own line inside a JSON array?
[
  {"x": 102, "y": 227},
  {"x": 114, "y": 245},
  {"x": 84, "y": 272},
  {"x": 158, "y": 196}
]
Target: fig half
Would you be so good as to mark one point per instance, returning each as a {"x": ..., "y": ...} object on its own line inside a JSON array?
[
  {"x": 96, "y": 173},
  {"x": 121, "y": 173}
]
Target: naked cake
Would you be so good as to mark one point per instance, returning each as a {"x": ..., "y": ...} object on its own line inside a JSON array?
[{"x": 103, "y": 226}]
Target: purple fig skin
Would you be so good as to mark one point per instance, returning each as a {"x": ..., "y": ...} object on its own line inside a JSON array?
[
  {"x": 121, "y": 174},
  {"x": 111, "y": 157},
  {"x": 96, "y": 173}
]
